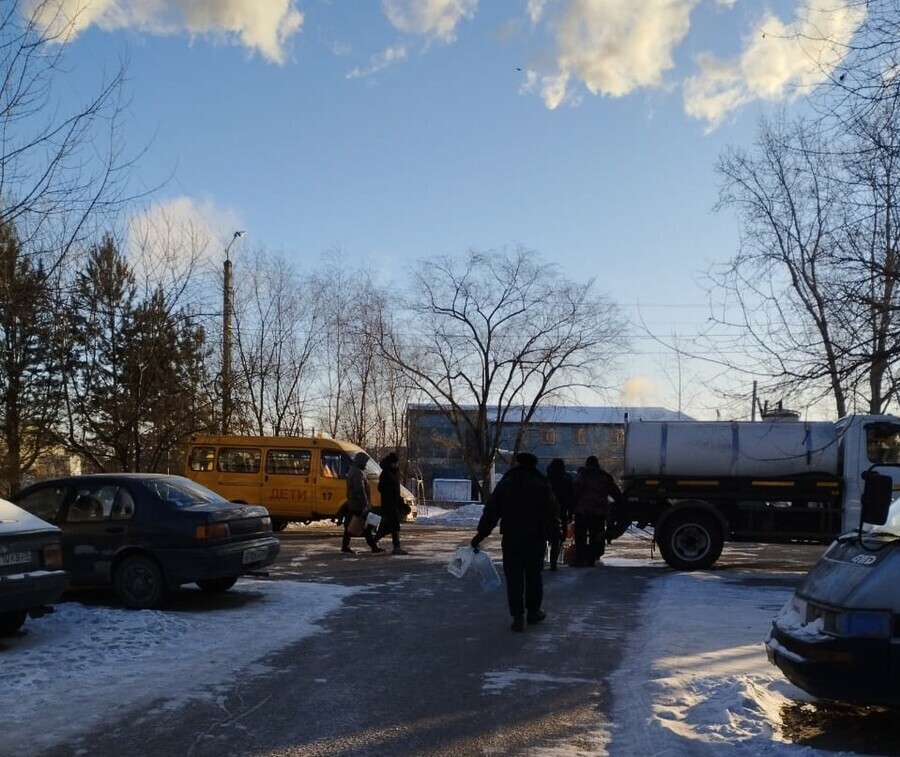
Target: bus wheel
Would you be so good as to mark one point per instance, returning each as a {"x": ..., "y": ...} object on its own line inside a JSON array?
[
  {"x": 279, "y": 524},
  {"x": 690, "y": 540}
]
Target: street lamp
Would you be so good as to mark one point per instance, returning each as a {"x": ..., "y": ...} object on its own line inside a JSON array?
[{"x": 227, "y": 306}]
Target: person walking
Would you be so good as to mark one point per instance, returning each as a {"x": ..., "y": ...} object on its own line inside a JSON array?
[
  {"x": 357, "y": 502},
  {"x": 593, "y": 489},
  {"x": 524, "y": 505},
  {"x": 561, "y": 484},
  {"x": 391, "y": 502}
]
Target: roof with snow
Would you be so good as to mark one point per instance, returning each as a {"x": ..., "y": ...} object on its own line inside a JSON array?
[{"x": 583, "y": 415}]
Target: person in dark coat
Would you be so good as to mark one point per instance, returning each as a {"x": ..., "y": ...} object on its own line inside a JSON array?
[
  {"x": 524, "y": 505},
  {"x": 563, "y": 491},
  {"x": 358, "y": 502},
  {"x": 594, "y": 487},
  {"x": 391, "y": 502}
]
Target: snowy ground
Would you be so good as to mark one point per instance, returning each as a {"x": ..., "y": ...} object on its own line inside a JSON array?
[{"x": 705, "y": 678}]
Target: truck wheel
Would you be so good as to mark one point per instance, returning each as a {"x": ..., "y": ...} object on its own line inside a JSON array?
[
  {"x": 690, "y": 540},
  {"x": 10, "y": 622},
  {"x": 139, "y": 583},
  {"x": 279, "y": 524}
]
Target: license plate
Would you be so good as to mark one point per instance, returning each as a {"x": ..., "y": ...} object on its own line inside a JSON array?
[
  {"x": 15, "y": 558},
  {"x": 255, "y": 555}
]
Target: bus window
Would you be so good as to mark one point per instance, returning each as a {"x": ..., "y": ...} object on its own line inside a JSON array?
[
  {"x": 202, "y": 459},
  {"x": 288, "y": 462},
  {"x": 239, "y": 460},
  {"x": 335, "y": 464}
]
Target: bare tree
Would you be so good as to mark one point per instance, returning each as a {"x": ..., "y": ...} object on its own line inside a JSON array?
[
  {"x": 278, "y": 323},
  {"x": 489, "y": 336},
  {"x": 813, "y": 288},
  {"x": 61, "y": 166}
]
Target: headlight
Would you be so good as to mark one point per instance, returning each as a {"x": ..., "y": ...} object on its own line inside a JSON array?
[
  {"x": 266, "y": 523},
  {"x": 865, "y": 624}
]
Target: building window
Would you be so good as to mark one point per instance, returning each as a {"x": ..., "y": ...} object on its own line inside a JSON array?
[
  {"x": 548, "y": 435},
  {"x": 580, "y": 436}
]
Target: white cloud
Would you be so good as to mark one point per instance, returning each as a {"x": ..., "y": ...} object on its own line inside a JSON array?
[
  {"x": 431, "y": 18},
  {"x": 264, "y": 27},
  {"x": 181, "y": 230},
  {"x": 779, "y": 60},
  {"x": 380, "y": 61},
  {"x": 612, "y": 46}
]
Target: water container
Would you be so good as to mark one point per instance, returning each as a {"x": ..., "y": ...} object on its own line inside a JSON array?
[
  {"x": 484, "y": 566},
  {"x": 461, "y": 561},
  {"x": 373, "y": 520}
]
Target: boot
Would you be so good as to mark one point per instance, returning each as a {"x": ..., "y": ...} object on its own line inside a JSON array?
[
  {"x": 536, "y": 616},
  {"x": 398, "y": 550},
  {"x": 518, "y": 624}
]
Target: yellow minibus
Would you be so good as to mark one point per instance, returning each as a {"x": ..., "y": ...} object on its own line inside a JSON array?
[{"x": 296, "y": 478}]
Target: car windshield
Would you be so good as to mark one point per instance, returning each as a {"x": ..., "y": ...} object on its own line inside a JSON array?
[{"x": 181, "y": 492}]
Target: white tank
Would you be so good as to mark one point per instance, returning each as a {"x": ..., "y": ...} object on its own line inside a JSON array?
[{"x": 739, "y": 448}]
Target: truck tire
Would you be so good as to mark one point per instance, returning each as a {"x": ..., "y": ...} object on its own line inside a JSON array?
[{"x": 690, "y": 540}]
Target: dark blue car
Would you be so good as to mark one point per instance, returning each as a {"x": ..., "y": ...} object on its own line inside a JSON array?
[{"x": 145, "y": 534}]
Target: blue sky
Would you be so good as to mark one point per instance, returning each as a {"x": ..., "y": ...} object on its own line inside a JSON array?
[{"x": 395, "y": 130}]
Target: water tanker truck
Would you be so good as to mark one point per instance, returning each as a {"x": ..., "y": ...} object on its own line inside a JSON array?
[{"x": 699, "y": 484}]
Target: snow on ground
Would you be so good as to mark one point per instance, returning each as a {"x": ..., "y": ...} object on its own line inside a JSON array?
[{"x": 703, "y": 677}]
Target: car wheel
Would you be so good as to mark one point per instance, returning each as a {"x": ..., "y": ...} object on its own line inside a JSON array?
[
  {"x": 279, "y": 524},
  {"x": 10, "y": 622},
  {"x": 217, "y": 585},
  {"x": 139, "y": 582},
  {"x": 690, "y": 540}
]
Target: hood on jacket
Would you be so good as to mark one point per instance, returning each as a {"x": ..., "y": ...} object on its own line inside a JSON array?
[{"x": 360, "y": 459}]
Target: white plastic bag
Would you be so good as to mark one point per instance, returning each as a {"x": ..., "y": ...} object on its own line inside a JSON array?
[
  {"x": 373, "y": 520},
  {"x": 484, "y": 566},
  {"x": 461, "y": 561}
]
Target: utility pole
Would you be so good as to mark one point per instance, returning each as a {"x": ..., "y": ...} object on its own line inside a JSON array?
[{"x": 227, "y": 309}]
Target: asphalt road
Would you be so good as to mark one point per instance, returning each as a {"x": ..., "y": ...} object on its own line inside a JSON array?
[{"x": 416, "y": 663}]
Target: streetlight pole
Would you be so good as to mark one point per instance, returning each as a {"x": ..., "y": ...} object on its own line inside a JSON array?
[{"x": 227, "y": 308}]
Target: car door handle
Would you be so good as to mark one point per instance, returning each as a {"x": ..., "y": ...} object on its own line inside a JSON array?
[{"x": 115, "y": 530}]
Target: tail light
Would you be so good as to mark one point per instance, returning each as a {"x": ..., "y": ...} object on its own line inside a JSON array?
[
  {"x": 212, "y": 531},
  {"x": 52, "y": 556}
]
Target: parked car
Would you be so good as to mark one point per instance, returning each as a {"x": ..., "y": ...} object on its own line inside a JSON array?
[
  {"x": 145, "y": 534},
  {"x": 31, "y": 574},
  {"x": 836, "y": 638}
]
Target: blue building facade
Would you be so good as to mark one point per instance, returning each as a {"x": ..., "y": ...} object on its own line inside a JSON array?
[{"x": 568, "y": 432}]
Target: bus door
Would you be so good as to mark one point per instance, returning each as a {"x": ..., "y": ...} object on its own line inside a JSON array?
[
  {"x": 288, "y": 483},
  {"x": 331, "y": 484}
]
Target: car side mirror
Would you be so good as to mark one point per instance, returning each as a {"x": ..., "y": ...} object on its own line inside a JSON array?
[{"x": 876, "y": 498}]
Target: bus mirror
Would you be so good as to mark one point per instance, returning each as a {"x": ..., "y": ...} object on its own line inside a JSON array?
[{"x": 876, "y": 497}]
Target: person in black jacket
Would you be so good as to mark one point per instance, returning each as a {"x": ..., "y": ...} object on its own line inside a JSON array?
[
  {"x": 561, "y": 483},
  {"x": 594, "y": 488},
  {"x": 391, "y": 502},
  {"x": 525, "y": 507}
]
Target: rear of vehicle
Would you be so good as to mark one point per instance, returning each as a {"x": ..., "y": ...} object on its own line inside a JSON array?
[
  {"x": 146, "y": 534},
  {"x": 838, "y": 637},
  {"x": 31, "y": 574}
]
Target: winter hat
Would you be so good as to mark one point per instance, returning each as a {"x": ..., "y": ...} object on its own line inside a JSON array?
[
  {"x": 557, "y": 467},
  {"x": 360, "y": 459},
  {"x": 527, "y": 460},
  {"x": 592, "y": 462},
  {"x": 389, "y": 460}
]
